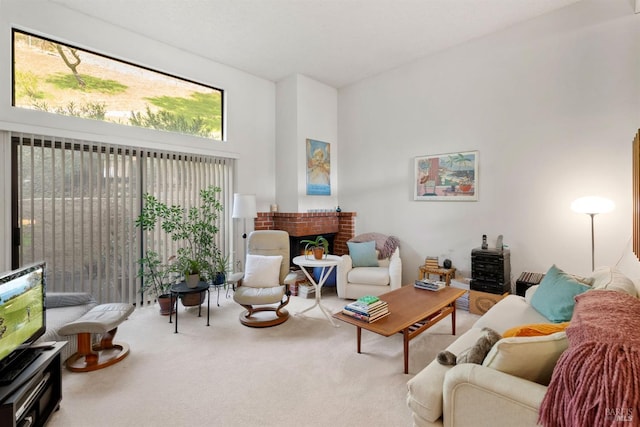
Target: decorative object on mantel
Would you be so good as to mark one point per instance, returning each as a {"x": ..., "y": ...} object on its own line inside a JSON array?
[
  {"x": 318, "y": 168},
  {"x": 451, "y": 176},
  {"x": 592, "y": 206}
]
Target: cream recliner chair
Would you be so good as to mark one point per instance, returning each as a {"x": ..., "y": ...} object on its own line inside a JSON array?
[
  {"x": 263, "y": 284},
  {"x": 355, "y": 282}
]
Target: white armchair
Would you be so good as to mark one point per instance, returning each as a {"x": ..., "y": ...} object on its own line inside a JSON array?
[{"x": 355, "y": 282}]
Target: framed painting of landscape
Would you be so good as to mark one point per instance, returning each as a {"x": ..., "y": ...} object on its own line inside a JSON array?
[{"x": 451, "y": 177}]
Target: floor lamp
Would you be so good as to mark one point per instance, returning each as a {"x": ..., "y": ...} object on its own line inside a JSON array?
[
  {"x": 244, "y": 206},
  {"x": 592, "y": 206}
]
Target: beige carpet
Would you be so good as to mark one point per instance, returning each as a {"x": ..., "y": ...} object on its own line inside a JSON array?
[{"x": 304, "y": 372}]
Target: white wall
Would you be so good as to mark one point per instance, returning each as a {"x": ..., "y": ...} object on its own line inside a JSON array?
[
  {"x": 306, "y": 109},
  {"x": 551, "y": 105},
  {"x": 249, "y": 108}
]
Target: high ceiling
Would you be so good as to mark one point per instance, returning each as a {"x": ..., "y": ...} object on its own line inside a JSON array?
[{"x": 337, "y": 42}]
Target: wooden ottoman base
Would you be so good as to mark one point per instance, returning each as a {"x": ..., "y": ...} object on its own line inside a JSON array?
[
  {"x": 100, "y": 356},
  {"x": 103, "y": 319}
]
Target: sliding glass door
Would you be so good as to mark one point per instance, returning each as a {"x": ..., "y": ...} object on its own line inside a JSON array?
[{"x": 75, "y": 202}]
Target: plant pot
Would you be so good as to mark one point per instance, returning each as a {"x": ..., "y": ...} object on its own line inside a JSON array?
[
  {"x": 465, "y": 188},
  {"x": 192, "y": 280},
  {"x": 318, "y": 253},
  {"x": 219, "y": 279},
  {"x": 192, "y": 300},
  {"x": 165, "y": 305}
]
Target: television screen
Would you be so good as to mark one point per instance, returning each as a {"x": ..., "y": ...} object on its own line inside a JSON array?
[{"x": 22, "y": 310}]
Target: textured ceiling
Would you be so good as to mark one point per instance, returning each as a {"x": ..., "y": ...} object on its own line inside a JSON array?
[{"x": 337, "y": 42}]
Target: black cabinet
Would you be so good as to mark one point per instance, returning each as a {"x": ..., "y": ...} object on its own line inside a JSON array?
[
  {"x": 35, "y": 394},
  {"x": 491, "y": 270}
]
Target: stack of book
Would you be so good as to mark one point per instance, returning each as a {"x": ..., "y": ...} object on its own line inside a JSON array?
[
  {"x": 430, "y": 286},
  {"x": 431, "y": 262},
  {"x": 367, "y": 308},
  {"x": 462, "y": 303}
]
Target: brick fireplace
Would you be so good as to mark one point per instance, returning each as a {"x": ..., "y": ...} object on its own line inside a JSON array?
[{"x": 337, "y": 225}]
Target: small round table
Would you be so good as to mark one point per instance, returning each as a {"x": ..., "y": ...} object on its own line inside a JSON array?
[
  {"x": 327, "y": 264},
  {"x": 182, "y": 289}
]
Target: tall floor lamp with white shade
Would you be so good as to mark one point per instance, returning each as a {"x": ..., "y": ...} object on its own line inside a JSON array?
[
  {"x": 592, "y": 206},
  {"x": 244, "y": 207}
]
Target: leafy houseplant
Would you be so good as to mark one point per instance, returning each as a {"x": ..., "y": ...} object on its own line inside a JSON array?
[
  {"x": 220, "y": 268},
  {"x": 157, "y": 277},
  {"x": 319, "y": 247},
  {"x": 194, "y": 229}
]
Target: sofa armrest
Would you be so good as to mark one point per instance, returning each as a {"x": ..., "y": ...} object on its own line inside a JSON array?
[
  {"x": 474, "y": 392},
  {"x": 395, "y": 270},
  {"x": 342, "y": 270},
  {"x": 67, "y": 299}
]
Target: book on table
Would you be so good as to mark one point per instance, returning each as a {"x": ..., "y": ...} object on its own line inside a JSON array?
[
  {"x": 430, "y": 286},
  {"x": 368, "y": 308}
]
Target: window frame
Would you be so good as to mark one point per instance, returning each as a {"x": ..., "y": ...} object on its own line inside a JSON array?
[{"x": 222, "y": 92}]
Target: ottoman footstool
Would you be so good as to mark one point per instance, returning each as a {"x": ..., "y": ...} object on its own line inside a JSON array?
[{"x": 102, "y": 319}]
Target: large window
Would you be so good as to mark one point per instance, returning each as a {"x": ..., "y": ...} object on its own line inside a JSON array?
[
  {"x": 62, "y": 79},
  {"x": 75, "y": 203}
]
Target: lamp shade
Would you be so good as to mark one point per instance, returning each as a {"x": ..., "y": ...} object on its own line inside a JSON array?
[
  {"x": 592, "y": 205},
  {"x": 244, "y": 206}
]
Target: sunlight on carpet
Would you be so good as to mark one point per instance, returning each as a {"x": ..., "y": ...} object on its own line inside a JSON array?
[{"x": 303, "y": 372}]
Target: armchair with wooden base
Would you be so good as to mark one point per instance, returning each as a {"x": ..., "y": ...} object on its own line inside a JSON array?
[{"x": 262, "y": 291}]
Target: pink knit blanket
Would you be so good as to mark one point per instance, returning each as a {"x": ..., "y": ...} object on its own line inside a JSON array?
[
  {"x": 596, "y": 381},
  {"x": 386, "y": 245}
]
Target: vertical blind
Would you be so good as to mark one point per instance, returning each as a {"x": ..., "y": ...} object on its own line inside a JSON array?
[{"x": 77, "y": 202}]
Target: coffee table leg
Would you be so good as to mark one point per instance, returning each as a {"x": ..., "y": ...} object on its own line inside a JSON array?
[
  {"x": 453, "y": 319},
  {"x": 405, "y": 334},
  {"x": 359, "y": 334}
]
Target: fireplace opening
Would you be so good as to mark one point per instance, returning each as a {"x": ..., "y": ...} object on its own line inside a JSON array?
[{"x": 296, "y": 247}]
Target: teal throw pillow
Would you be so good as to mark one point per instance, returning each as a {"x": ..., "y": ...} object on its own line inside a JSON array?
[
  {"x": 363, "y": 254},
  {"x": 554, "y": 298}
]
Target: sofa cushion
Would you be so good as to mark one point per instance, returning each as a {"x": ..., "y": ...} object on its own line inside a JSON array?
[
  {"x": 612, "y": 279},
  {"x": 369, "y": 275},
  {"x": 535, "y": 330},
  {"x": 510, "y": 311},
  {"x": 554, "y": 298},
  {"x": 531, "y": 358},
  {"x": 363, "y": 254},
  {"x": 262, "y": 271}
]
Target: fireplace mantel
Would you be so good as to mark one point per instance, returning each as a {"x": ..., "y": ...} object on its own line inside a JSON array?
[{"x": 312, "y": 223}]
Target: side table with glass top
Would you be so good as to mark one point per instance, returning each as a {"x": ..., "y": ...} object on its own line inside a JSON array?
[{"x": 182, "y": 289}]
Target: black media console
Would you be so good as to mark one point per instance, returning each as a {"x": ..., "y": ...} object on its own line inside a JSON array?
[{"x": 34, "y": 394}]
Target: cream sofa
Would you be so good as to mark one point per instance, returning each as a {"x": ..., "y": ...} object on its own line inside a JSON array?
[{"x": 478, "y": 395}]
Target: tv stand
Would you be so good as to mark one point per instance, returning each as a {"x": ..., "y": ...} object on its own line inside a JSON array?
[{"x": 35, "y": 393}]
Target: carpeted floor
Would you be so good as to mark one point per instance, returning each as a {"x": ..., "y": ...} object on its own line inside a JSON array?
[{"x": 304, "y": 372}]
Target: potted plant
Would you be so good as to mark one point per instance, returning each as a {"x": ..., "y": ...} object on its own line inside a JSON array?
[
  {"x": 319, "y": 247},
  {"x": 157, "y": 277},
  {"x": 220, "y": 267},
  {"x": 194, "y": 229},
  {"x": 192, "y": 272}
]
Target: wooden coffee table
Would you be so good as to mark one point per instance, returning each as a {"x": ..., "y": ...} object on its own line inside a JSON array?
[{"x": 411, "y": 312}]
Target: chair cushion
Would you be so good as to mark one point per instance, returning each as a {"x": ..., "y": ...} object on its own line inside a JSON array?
[
  {"x": 369, "y": 276},
  {"x": 256, "y": 296},
  {"x": 262, "y": 271},
  {"x": 554, "y": 298},
  {"x": 363, "y": 254}
]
